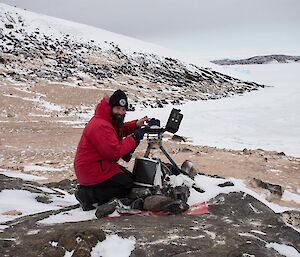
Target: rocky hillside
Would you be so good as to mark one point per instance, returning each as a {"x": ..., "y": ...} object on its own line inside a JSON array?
[
  {"x": 265, "y": 59},
  {"x": 43, "y": 51}
]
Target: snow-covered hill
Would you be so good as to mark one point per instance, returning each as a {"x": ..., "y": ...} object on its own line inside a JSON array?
[{"x": 37, "y": 48}]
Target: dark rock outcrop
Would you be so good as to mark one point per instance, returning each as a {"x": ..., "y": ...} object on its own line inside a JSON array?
[
  {"x": 237, "y": 225},
  {"x": 265, "y": 59}
]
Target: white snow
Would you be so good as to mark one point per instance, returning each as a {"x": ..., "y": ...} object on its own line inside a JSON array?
[
  {"x": 268, "y": 118},
  {"x": 22, "y": 201},
  {"x": 34, "y": 167},
  {"x": 23, "y": 176},
  {"x": 3, "y": 227},
  {"x": 258, "y": 232},
  {"x": 113, "y": 246},
  {"x": 69, "y": 216},
  {"x": 16, "y": 203},
  {"x": 211, "y": 188},
  {"x": 283, "y": 249},
  {"x": 69, "y": 254},
  {"x": 289, "y": 196}
]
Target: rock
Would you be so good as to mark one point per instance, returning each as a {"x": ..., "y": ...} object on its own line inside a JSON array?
[
  {"x": 2, "y": 60},
  {"x": 186, "y": 150},
  {"x": 178, "y": 138},
  {"x": 68, "y": 240},
  {"x": 9, "y": 26},
  {"x": 80, "y": 238},
  {"x": 292, "y": 218},
  {"x": 66, "y": 184},
  {"x": 10, "y": 115},
  {"x": 264, "y": 59},
  {"x": 156, "y": 203},
  {"x": 12, "y": 213},
  {"x": 281, "y": 154},
  {"x": 226, "y": 184},
  {"x": 52, "y": 251},
  {"x": 246, "y": 151},
  {"x": 276, "y": 190},
  {"x": 189, "y": 168},
  {"x": 43, "y": 199},
  {"x": 237, "y": 224},
  {"x": 83, "y": 249}
]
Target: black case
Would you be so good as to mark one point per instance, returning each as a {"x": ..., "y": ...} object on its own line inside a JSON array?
[
  {"x": 174, "y": 121},
  {"x": 144, "y": 171}
]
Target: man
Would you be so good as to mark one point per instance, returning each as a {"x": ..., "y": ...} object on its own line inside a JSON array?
[{"x": 106, "y": 139}]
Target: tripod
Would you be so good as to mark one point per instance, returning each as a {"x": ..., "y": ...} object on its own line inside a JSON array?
[{"x": 157, "y": 140}]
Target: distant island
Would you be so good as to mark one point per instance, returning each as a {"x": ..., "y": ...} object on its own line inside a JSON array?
[{"x": 264, "y": 59}]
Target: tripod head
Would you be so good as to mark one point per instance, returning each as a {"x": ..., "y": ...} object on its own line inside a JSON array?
[{"x": 172, "y": 125}]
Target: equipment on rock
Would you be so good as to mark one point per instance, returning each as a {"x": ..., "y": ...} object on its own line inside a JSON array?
[{"x": 148, "y": 172}]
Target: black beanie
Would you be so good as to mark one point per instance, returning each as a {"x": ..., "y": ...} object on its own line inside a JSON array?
[{"x": 118, "y": 98}]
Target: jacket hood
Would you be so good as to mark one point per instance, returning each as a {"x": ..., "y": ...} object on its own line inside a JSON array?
[{"x": 103, "y": 110}]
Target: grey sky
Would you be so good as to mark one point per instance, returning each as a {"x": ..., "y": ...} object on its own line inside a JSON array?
[{"x": 210, "y": 28}]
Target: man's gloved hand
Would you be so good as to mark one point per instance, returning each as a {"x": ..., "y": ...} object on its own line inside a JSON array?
[
  {"x": 138, "y": 135},
  {"x": 127, "y": 157},
  {"x": 142, "y": 121}
]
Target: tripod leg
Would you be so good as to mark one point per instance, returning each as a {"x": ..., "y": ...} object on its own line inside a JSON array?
[
  {"x": 168, "y": 156},
  {"x": 172, "y": 161},
  {"x": 146, "y": 155}
]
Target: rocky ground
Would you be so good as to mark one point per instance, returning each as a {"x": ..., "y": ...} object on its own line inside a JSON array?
[
  {"x": 43, "y": 142},
  {"x": 237, "y": 225},
  {"x": 47, "y": 149}
]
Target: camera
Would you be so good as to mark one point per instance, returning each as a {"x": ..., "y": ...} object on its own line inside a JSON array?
[{"x": 172, "y": 126}]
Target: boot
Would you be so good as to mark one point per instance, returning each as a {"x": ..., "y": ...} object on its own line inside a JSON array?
[
  {"x": 175, "y": 207},
  {"x": 107, "y": 208}
]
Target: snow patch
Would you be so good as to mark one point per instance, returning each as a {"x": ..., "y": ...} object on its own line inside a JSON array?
[
  {"x": 114, "y": 246},
  {"x": 283, "y": 249}
]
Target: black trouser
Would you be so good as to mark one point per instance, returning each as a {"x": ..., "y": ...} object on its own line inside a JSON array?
[{"x": 117, "y": 186}]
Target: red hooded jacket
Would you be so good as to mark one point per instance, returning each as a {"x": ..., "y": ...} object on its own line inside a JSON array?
[{"x": 99, "y": 148}]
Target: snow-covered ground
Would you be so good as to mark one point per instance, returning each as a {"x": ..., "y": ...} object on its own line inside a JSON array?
[{"x": 268, "y": 118}]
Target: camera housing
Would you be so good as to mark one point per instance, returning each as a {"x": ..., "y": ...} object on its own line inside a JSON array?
[{"x": 174, "y": 121}]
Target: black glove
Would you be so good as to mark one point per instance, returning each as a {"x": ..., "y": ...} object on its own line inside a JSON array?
[
  {"x": 138, "y": 135},
  {"x": 127, "y": 157}
]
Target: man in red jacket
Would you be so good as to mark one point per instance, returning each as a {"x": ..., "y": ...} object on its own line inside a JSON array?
[{"x": 105, "y": 139}]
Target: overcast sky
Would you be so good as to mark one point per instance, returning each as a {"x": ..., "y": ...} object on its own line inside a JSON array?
[{"x": 210, "y": 28}]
